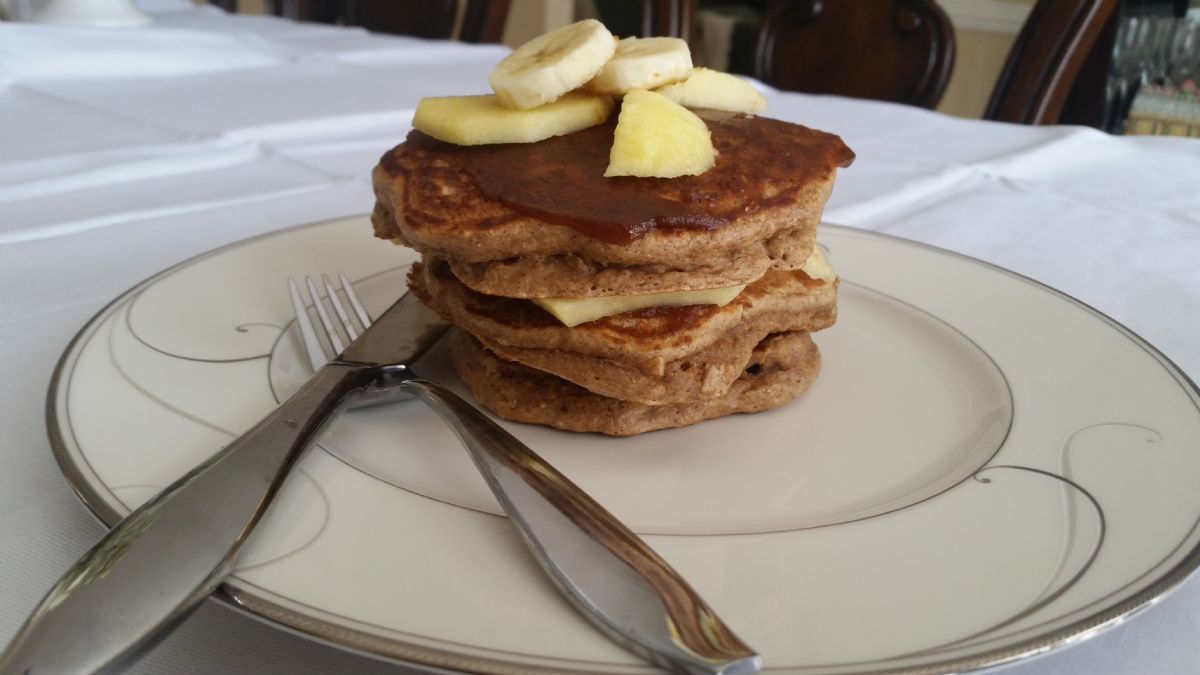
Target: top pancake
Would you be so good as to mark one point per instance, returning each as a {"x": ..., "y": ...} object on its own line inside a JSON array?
[{"x": 550, "y": 201}]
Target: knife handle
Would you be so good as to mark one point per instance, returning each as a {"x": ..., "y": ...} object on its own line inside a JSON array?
[
  {"x": 610, "y": 575},
  {"x": 160, "y": 561}
]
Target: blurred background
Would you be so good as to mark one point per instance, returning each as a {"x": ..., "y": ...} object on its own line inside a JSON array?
[
  {"x": 1124, "y": 66},
  {"x": 723, "y": 34}
]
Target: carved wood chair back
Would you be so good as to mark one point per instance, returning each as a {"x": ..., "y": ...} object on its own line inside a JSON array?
[
  {"x": 890, "y": 50},
  {"x": 1048, "y": 59}
]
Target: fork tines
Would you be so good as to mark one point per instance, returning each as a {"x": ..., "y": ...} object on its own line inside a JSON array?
[{"x": 334, "y": 336}]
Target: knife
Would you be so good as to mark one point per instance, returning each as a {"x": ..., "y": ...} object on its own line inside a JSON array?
[{"x": 156, "y": 565}]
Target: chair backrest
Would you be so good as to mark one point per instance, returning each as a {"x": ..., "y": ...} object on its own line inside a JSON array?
[
  {"x": 668, "y": 18},
  {"x": 646, "y": 18},
  {"x": 470, "y": 21},
  {"x": 890, "y": 50},
  {"x": 1046, "y": 58}
]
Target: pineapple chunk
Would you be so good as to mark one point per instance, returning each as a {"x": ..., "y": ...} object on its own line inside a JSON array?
[
  {"x": 574, "y": 311},
  {"x": 656, "y": 138},
  {"x": 817, "y": 266},
  {"x": 716, "y": 90},
  {"x": 481, "y": 120}
]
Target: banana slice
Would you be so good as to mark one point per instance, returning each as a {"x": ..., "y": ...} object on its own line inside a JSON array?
[
  {"x": 716, "y": 90},
  {"x": 550, "y": 65},
  {"x": 643, "y": 63},
  {"x": 481, "y": 120},
  {"x": 658, "y": 138}
]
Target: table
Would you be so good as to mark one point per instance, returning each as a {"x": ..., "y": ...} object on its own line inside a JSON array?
[{"x": 124, "y": 151}]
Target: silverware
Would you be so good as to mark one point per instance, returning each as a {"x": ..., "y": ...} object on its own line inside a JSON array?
[
  {"x": 609, "y": 574},
  {"x": 157, "y": 564}
]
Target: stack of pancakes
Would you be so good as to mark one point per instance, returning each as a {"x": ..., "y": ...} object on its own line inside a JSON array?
[{"x": 501, "y": 226}]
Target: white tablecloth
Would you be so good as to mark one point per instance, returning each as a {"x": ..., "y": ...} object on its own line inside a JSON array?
[{"x": 123, "y": 151}]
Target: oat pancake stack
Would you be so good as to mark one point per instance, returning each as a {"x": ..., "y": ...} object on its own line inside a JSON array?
[{"x": 621, "y": 304}]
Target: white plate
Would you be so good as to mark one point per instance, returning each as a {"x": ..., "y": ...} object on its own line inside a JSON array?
[{"x": 985, "y": 469}]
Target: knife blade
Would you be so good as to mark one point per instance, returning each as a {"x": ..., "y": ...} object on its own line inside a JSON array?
[{"x": 156, "y": 565}]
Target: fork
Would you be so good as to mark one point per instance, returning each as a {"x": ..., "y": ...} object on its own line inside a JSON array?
[
  {"x": 609, "y": 574},
  {"x": 159, "y": 562}
]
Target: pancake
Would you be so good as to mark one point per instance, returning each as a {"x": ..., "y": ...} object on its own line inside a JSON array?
[
  {"x": 572, "y": 276},
  {"x": 781, "y": 368},
  {"x": 523, "y": 216},
  {"x": 501, "y": 225},
  {"x": 653, "y": 356}
]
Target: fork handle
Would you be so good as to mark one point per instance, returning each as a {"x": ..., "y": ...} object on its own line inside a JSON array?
[
  {"x": 160, "y": 561},
  {"x": 604, "y": 569}
]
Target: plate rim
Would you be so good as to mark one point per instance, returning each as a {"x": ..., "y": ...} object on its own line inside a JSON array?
[{"x": 432, "y": 660}]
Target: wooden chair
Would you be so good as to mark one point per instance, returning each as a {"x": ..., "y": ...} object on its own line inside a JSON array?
[
  {"x": 480, "y": 20},
  {"x": 890, "y": 50},
  {"x": 647, "y": 18},
  {"x": 1060, "y": 48},
  {"x": 669, "y": 18}
]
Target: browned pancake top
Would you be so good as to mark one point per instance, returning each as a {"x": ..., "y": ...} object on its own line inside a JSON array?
[{"x": 760, "y": 163}]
